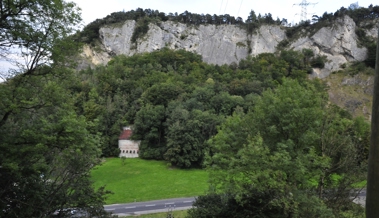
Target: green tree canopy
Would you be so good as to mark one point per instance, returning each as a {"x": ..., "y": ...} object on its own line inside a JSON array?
[
  {"x": 292, "y": 146},
  {"x": 36, "y": 30},
  {"x": 47, "y": 149}
]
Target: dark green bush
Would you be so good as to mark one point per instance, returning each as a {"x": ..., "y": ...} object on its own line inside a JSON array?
[
  {"x": 142, "y": 27},
  {"x": 371, "y": 54},
  {"x": 318, "y": 62}
]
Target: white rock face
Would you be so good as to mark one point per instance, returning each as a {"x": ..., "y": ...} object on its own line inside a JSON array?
[
  {"x": 225, "y": 44},
  {"x": 373, "y": 32},
  {"x": 338, "y": 43},
  {"x": 266, "y": 40},
  {"x": 217, "y": 44},
  {"x": 93, "y": 57},
  {"x": 222, "y": 44},
  {"x": 116, "y": 39}
]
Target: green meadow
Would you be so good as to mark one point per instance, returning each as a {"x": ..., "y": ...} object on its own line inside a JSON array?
[{"x": 142, "y": 180}]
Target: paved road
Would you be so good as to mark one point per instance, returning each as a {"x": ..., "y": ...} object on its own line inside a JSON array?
[
  {"x": 150, "y": 206},
  {"x": 361, "y": 198},
  {"x": 173, "y": 204}
]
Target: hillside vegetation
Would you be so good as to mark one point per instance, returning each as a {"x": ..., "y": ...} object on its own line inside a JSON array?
[
  {"x": 274, "y": 142},
  {"x": 352, "y": 89},
  {"x": 174, "y": 100},
  {"x": 259, "y": 115}
]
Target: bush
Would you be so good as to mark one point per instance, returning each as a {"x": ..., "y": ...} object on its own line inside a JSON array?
[
  {"x": 258, "y": 204},
  {"x": 318, "y": 62},
  {"x": 356, "y": 68},
  {"x": 282, "y": 44},
  {"x": 142, "y": 27},
  {"x": 371, "y": 55}
]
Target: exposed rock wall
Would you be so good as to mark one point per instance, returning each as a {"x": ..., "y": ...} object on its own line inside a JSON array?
[
  {"x": 373, "y": 32},
  {"x": 225, "y": 44},
  {"x": 222, "y": 44},
  {"x": 217, "y": 44},
  {"x": 338, "y": 43},
  {"x": 266, "y": 39}
]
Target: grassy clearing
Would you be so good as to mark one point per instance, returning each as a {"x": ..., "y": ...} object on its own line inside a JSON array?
[{"x": 143, "y": 180}]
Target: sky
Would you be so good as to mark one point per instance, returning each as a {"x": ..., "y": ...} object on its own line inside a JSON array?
[{"x": 94, "y": 9}]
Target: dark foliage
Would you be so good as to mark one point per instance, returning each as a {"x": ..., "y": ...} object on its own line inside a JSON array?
[
  {"x": 140, "y": 30},
  {"x": 226, "y": 205},
  {"x": 174, "y": 100},
  {"x": 318, "y": 62}
]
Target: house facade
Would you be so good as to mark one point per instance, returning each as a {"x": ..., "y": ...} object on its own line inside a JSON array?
[{"x": 128, "y": 148}]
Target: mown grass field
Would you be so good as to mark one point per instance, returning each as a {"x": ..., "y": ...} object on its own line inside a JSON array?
[{"x": 143, "y": 180}]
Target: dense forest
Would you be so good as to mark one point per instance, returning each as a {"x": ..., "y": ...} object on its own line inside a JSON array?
[
  {"x": 273, "y": 143},
  {"x": 47, "y": 149},
  {"x": 262, "y": 110},
  {"x": 151, "y": 91}
]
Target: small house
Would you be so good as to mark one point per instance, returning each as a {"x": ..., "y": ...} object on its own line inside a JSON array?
[{"x": 128, "y": 148}]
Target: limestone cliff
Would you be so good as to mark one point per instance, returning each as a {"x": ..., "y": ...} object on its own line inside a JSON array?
[
  {"x": 224, "y": 44},
  {"x": 338, "y": 43}
]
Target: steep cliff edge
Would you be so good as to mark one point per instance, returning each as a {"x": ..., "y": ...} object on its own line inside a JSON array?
[
  {"x": 338, "y": 43},
  {"x": 225, "y": 44}
]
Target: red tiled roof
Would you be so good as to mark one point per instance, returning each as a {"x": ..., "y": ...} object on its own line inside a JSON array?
[{"x": 125, "y": 135}]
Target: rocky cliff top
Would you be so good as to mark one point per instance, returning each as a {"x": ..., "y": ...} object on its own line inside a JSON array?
[{"x": 225, "y": 44}]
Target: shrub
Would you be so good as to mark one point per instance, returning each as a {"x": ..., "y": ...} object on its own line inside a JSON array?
[
  {"x": 142, "y": 27},
  {"x": 318, "y": 62}
]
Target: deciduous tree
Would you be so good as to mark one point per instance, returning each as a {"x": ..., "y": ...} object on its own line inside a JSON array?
[
  {"x": 289, "y": 145},
  {"x": 47, "y": 150},
  {"x": 35, "y": 32}
]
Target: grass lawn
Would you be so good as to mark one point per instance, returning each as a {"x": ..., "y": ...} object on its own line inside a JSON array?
[{"x": 144, "y": 180}]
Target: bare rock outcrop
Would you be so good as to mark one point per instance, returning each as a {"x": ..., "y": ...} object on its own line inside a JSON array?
[
  {"x": 266, "y": 39},
  {"x": 225, "y": 44},
  {"x": 338, "y": 43}
]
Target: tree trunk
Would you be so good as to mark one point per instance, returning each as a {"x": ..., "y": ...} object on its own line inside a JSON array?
[{"x": 372, "y": 198}]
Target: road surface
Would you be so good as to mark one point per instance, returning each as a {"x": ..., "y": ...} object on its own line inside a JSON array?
[
  {"x": 150, "y": 206},
  {"x": 173, "y": 204}
]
